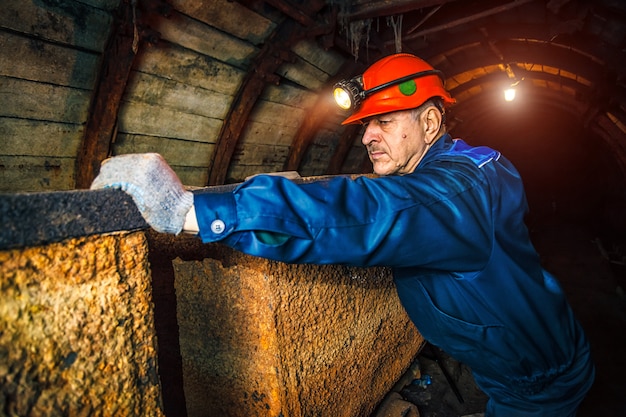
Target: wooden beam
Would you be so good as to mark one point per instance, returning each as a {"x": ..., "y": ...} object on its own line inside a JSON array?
[
  {"x": 318, "y": 114},
  {"x": 117, "y": 61},
  {"x": 129, "y": 30},
  {"x": 466, "y": 19},
  {"x": 295, "y": 12},
  {"x": 389, "y": 8},
  {"x": 276, "y": 50},
  {"x": 262, "y": 71},
  {"x": 306, "y": 131},
  {"x": 343, "y": 149}
]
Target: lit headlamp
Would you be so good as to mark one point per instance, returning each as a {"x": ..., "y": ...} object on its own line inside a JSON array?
[{"x": 349, "y": 94}]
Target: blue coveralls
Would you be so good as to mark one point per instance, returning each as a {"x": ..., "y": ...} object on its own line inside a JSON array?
[{"x": 466, "y": 272}]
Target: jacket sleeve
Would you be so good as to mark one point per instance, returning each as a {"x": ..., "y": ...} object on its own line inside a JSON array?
[{"x": 434, "y": 218}]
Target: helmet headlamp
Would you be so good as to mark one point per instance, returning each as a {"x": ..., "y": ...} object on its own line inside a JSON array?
[{"x": 350, "y": 94}]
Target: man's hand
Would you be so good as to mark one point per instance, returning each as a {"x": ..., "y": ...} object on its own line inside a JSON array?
[{"x": 159, "y": 195}]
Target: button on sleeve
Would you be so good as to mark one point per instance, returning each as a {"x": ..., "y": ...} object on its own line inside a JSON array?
[
  {"x": 216, "y": 214},
  {"x": 218, "y": 226}
]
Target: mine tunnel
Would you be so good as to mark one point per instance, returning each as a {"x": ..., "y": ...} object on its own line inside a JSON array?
[{"x": 101, "y": 315}]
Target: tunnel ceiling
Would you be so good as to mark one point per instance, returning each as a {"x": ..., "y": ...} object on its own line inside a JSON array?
[
  {"x": 225, "y": 89},
  {"x": 566, "y": 57}
]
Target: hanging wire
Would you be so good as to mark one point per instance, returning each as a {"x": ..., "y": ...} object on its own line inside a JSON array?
[
  {"x": 357, "y": 30},
  {"x": 135, "y": 31},
  {"x": 397, "y": 31},
  {"x": 352, "y": 30}
]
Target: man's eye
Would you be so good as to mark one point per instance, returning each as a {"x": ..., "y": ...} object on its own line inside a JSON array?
[{"x": 384, "y": 122}]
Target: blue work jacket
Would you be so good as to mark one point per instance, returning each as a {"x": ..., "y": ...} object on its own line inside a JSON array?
[{"x": 466, "y": 272}]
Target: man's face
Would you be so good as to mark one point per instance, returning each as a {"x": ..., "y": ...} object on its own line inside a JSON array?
[{"x": 395, "y": 142}]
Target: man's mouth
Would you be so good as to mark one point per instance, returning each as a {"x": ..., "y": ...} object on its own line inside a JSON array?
[{"x": 376, "y": 153}]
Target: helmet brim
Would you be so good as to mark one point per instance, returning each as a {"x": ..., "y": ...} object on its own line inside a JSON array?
[{"x": 371, "y": 108}]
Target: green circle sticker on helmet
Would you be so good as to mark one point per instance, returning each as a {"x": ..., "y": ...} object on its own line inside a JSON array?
[{"x": 408, "y": 88}]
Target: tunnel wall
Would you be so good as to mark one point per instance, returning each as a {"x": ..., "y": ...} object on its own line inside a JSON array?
[{"x": 91, "y": 324}]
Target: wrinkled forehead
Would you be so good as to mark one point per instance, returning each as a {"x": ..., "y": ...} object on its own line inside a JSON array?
[{"x": 394, "y": 115}]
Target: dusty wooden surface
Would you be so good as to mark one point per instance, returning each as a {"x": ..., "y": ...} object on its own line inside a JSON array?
[
  {"x": 177, "y": 98},
  {"x": 48, "y": 64}
]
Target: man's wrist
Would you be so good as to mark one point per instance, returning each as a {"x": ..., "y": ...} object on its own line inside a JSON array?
[{"x": 191, "y": 222}]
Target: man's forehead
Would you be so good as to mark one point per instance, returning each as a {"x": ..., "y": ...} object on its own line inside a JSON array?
[{"x": 386, "y": 116}]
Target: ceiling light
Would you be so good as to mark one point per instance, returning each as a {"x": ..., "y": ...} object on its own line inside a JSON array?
[{"x": 509, "y": 94}]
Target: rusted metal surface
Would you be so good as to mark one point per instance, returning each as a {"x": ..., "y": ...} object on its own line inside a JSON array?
[
  {"x": 78, "y": 334},
  {"x": 288, "y": 340}
]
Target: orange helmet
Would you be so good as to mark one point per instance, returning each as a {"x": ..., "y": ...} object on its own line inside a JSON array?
[{"x": 396, "y": 82}]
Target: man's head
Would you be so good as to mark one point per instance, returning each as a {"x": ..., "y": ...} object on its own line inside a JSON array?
[
  {"x": 397, "y": 141},
  {"x": 402, "y": 99}
]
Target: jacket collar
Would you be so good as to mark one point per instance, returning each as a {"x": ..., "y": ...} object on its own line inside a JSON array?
[{"x": 441, "y": 145}]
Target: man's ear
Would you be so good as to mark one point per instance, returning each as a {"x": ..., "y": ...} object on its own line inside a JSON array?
[{"x": 432, "y": 120}]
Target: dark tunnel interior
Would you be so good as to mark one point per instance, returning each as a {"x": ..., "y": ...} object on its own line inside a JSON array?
[
  {"x": 568, "y": 171},
  {"x": 575, "y": 190}
]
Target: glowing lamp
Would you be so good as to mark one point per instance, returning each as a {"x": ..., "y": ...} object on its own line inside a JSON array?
[{"x": 509, "y": 94}]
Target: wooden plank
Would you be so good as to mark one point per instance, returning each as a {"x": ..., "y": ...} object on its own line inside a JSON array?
[
  {"x": 145, "y": 119},
  {"x": 268, "y": 133},
  {"x": 238, "y": 173},
  {"x": 465, "y": 18},
  {"x": 261, "y": 155},
  {"x": 344, "y": 146},
  {"x": 32, "y": 173},
  {"x": 250, "y": 89},
  {"x": 159, "y": 91},
  {"x": 274, "y": 113},
  {"x": 321, "y": 112},
  {"x": 204, "y": 39},
  {"x": 102, "y": 4},
  {"x": 266, "y": 64},
  {"x": 70, "y": 23},
  {"x": 297, "y": 13},
  {"x": 316, "y": 157},
  {"x": 304, "y": 74},
  {"x": 36, "y": 60},
  {"x": 117, "y": 62},
  {"x": 326, "y": 60},
  {"x": 336, "y": 117},
  {"x": 290, "y": 95},
  {"x": 229, "y": 17},
  {"x": 190, "y": 68},
  {"x": 304, "y": 136},
  {"x": 175, "y": 152},
  {"x": 58, "y": 140},
  {"x": 23, "y": 99},
  {"x": 191, "y": 176}
]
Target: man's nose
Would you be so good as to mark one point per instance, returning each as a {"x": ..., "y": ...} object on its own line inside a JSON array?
[{"x": 369, "y": 135}]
